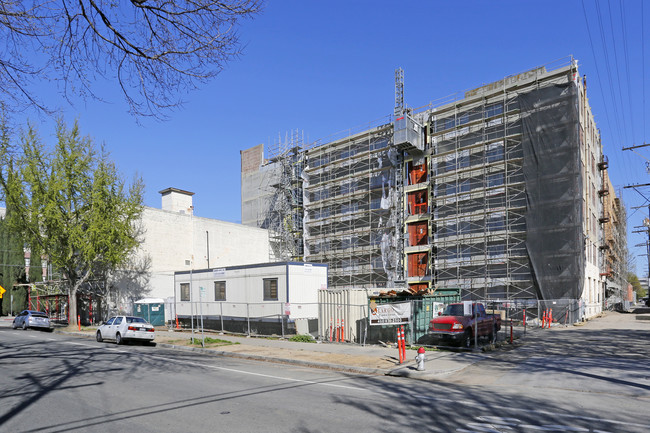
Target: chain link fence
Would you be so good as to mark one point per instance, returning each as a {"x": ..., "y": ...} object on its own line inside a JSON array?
[{"x": 346, "y": 320}]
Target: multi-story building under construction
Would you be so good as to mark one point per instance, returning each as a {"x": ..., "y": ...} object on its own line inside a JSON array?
[{"x": 497, "y": 191}]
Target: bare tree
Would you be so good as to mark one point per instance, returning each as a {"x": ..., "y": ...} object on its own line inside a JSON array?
[{"x": 157, "y": 50}]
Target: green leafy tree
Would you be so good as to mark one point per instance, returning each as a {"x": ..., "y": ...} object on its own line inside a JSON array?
[
  {"x": 636, "y": 285},
  {"x": 13, "y": 271},
  {"x": 12, "y": 267},
  {"x": 69, "y": 204}
]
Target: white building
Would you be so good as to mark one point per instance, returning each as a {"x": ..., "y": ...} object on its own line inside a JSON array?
[
  {"x": 176, "y": 240},
  {"x": 267, "y": 298}
]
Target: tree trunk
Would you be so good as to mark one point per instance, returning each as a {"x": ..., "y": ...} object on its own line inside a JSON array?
[{"x": 72, "y": 306}]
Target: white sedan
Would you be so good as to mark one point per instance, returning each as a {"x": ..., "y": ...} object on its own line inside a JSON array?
[{"x": 126, "y": 328}]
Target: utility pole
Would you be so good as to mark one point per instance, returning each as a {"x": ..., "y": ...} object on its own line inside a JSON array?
[{"x": 646, "y": 222}]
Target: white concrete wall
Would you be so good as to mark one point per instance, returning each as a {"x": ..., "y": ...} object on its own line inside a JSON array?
[{"x": 177, "y": 242}]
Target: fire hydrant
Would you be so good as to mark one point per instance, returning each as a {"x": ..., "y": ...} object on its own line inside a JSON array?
[{"x": 419, "y": 358}]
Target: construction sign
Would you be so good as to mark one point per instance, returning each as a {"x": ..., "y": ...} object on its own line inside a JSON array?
[
  {"x": 390, "y": 314},
  {"x": 2, "y": 291}
]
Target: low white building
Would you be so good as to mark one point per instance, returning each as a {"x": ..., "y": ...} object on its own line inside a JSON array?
[
  {"x": 175, "y": 239},
  {"x": 267, "y": 298}
]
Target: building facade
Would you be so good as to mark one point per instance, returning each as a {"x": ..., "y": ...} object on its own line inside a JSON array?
[
  {"x": 499, "y": 191},
  {"x": 173, "y": 240}
]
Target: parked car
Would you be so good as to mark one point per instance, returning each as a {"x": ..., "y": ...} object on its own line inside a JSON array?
[
  {"x": 458, "y": 324},
  {"x": 31, "y": 319},
  {"x": 126, "y": 328}
]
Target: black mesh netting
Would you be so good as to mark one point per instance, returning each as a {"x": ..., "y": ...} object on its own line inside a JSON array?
[{"x": 554, "y": 190}]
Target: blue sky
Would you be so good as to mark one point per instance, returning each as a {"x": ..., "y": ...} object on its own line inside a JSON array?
[{"x": 322, "y": 67}]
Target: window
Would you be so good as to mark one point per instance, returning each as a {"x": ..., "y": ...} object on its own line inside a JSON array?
[
  {"x": 117, "y": 321},
  {"x": 496, "y": 222},
  {"x": 219, "y": 290},
  {"x": 494, "y": 152},
  {"x": 185, "y": 291},
  {"x": 270, "y": 289},
  {"x": 463, "y": 159},
  {"x": 496, "y": 249},
  {"x": 493, "y": 110},
  {"x": 495, "y": 179},
  {"x": 110, "y": 321}
]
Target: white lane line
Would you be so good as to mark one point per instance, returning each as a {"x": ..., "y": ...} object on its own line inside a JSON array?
[
  {"x": 76, "y": 344},
  {"x": 269, "y": 376},
  {"x": 112, "y": 349}
]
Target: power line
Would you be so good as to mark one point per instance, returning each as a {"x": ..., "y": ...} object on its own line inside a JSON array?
[
  {"x": 593, "y": 52},
  {"x": 627, "y": 65},
  {"x": 614, "y": 104},
  {"x": 618, "y": 72},
  {"x": 643, "y": 77}
]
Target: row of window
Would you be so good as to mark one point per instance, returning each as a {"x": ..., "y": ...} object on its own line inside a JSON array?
[
  {"x": 463, "y": 159},
  {"x": 458, "y": 187},
  {"x": 345, "y": 208},
  {"x": 466, "y": 117},
  {"x": 348, "y": 152},
  {"x": 270, "y": 290}
]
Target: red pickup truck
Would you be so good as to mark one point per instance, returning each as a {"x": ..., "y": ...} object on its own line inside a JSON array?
[{"x": 458, "y": 323}]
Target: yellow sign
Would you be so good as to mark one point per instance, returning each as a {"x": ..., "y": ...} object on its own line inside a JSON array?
[{"x": 2, "y": 291}]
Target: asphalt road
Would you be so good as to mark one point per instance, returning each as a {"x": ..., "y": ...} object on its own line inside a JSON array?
[{"x": 56, "y": 383}]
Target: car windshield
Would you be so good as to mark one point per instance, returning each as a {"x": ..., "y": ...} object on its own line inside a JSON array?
[
  {"x": 39, "y": 315},
  {"x": 454, "y": 310},
  {"x": 135, "y": 320}
]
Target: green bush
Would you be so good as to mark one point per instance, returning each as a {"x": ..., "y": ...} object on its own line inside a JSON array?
[
  {"x": 210, "y": 340},
  {"x": 302, "y": 338}
]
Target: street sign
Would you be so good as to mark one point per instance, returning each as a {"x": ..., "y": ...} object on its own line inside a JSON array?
[{"x": 2, "y": 291}]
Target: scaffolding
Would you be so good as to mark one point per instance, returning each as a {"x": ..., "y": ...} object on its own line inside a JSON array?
[
  {"x": 492, "y": 216},
  {"x": 353, "y": 209},
  {"x": 613, "y": 245},
  {"x": 284, "y": 210},
  {"x": 489, "y": 191}
]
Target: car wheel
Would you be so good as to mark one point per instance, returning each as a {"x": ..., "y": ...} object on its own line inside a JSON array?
[
  {"x": 467, "y": 339},
  {"x": 118, "y": 339},
  {"x": 13, "y": 325},
  {"x": 24, "y": 326},
  {"x": 98, "y": 337}
]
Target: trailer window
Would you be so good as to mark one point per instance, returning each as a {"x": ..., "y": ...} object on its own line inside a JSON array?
[
  {"x": 270, "y": 289},
  {"x": 219, "y": 290},
  {"x": 185, "y": 291}
]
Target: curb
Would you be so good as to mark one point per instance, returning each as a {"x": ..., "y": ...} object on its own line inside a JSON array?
[{"x": 310, "y": 364}]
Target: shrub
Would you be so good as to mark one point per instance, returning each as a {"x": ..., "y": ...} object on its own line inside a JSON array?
[{"x": 302, "y": 338}]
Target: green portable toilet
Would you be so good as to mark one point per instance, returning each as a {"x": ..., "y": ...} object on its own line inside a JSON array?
[{"x": 150, "y": 309}]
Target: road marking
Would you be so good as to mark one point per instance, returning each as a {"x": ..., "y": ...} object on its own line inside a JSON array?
[
  {"x": 233, "y": 370},
  {"x": 113, "y": 349},
  {"x": 77, "y": 344}
]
